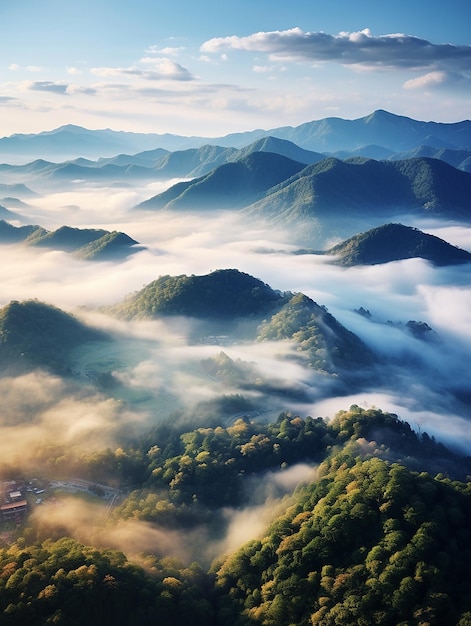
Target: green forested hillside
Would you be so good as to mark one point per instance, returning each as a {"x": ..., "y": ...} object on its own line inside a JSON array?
[
  {"x": 392, "y": 242},
  {"x": 379, "y": 534},
  {"x": 228, "y": 186},
  {"x": 222, "y": 294},
  {"x": 68, "y": 584},
  {"x": 34, "y": 334},
  {"x": 369, "y": 543},
  {"x": 85, "y": 243},
  {"x": 321, "y": 341},
  {"x": 65, "y": 238},
  {"x": 111, "y": 246},
  {"x": 328, "y": 345},
  {"x": 364, "y": 189}
]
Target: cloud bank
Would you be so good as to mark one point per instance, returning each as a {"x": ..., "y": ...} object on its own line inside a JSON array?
[{"x": 396, "y": 51}]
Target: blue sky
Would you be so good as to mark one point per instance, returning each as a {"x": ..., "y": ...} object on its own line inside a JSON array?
[{"x": 210, "y": 68}]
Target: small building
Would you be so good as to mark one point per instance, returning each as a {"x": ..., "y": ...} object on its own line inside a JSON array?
[{"x": 14, "y": 510}]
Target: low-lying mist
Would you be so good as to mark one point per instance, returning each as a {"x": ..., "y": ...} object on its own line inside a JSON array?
[{"x": 155, "y": 368}]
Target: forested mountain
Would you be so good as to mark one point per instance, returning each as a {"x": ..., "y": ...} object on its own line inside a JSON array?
[
  {"x": 37, "y": 335},
  {"x": 393, "y": 242},
  {"x": 328, "y": 345},
  {"x": 279, "y": 146},
  {"x": 200, "y": 433},
  {"x": 158, "y": 164},
  {"x": 369, "y": 543},
  {"x": 313, "y": 198},
  {"x": 15, "y": 234},
  {"x": 111, "y": 246},
  {"x": 191, "y": 163},
  {"x": 64, "y": 238},
  {"x": 85, "y": 243},
  {"x": 461, "y": 159},
  {"x": 64, "y": 582},
  {"x": 228, "y": 186},
  {"x": 335, "y": 196},
  {"x": 226, "y": 294},
  {"x": 372, "y": 535},
  {"x": 394, "y": 132},
  {"x": 231, "y": 296}
]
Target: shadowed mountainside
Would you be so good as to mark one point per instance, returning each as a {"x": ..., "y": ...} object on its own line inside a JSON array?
[
  {"x": 228, "y": 186},
  {"x": 38, "y": 335},
  {"x": 393, "y": 242},
  {"x": 85, "y": 243}
]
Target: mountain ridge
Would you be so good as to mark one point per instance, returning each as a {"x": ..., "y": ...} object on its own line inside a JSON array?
[
  {"x": 396, "y": 132},
  {"x": 394, "y": 242}
]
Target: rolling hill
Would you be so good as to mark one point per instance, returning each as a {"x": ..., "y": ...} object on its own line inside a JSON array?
[
  {"x": 327, "y": 344},
  {"x": 367, "y": 542},
  {"x": 229, "y": 296},
  {"x": 393, "y": 242},
  {"x": 37, "y": 335},
  {"x": 85, "y": 243},
  {"x": 64, "y": 238},
  {"x": 112, "y": 246}
]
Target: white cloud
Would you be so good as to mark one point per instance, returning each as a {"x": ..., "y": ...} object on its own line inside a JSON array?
[
  {"x": 162, "y": 69},
  {"x": 167, "y": 50},
  {"x": 437, "y": 79},
  {"x": 396, "y": 51}
]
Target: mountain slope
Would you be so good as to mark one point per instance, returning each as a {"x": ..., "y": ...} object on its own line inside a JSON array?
[
  {"x": 368, "y": 542},
  {"x": 280, "y": 146},
  {"x": 34, "y": 334},
  {"x": 71, "y": 141},
  {"x": 229, "y": 295},
  {"x": 191, "y": 163},
  {"x": 461, "y": 159},
  {"x": 109, "y": 247},
  {"x": 327, "y": 344},
  {"x": 229, "y": 185},
  {"x": 15, "y": 234},
  {"x": 65, "y": 238},
  {"x": 226, "y": 294},
  {"x": 335, "y": 197},
  {"x": 392, "y": 242},
  {"x": 85, "y": 243},
  {"x": 394, "y": 132}
]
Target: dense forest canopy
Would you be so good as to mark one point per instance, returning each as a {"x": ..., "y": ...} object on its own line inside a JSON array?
[{"x": 380, "y": 535}]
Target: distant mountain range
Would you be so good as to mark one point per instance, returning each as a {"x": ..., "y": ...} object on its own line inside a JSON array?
[
  {"x": 84, "y": 243},
  {"x": 382, "y": 129}
]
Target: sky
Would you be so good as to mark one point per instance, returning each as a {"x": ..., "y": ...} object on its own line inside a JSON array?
[{"x": 209, "y": 68}]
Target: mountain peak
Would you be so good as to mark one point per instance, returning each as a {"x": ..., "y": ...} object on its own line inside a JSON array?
[{"x": 394, "y": 242}]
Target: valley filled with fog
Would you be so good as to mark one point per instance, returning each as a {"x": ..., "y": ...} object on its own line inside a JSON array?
[
  {"x": 425, "y": 382},
  {"x": 201, "y": 375}
]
